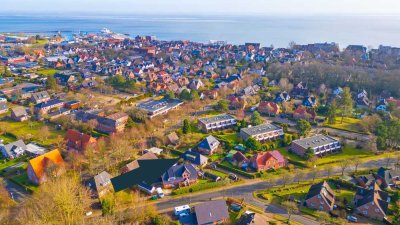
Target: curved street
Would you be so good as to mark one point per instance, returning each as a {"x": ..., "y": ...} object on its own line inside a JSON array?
[{"x": 245, "y": 192}]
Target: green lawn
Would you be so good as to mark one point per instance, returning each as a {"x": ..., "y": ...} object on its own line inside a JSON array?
[
  {"x": 7, "y": 138},
  {"x": 32, "y": 128},
  {"x": 218, "y": 173},
  {"x": 230, "y": 138},
  {"x": 348, "y": 124},
  {"x": 23, "y": 181},
  {"x": 348, "y": 152},
  {"x": 4, "y": 163},
  {"x": 46, "y": 71}
]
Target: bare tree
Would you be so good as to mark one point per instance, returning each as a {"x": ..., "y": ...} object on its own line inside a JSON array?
[
  {"x": 291, "y": 207},
  {"x": 343, "y": 165},
  {"x": 355, "y": 162},
  {"x": 329, "y": 170}
]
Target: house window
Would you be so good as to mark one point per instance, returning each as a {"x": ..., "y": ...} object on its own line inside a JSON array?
[
  {"x": 377, "y": 210},
  {"x": 365, "y": 212}
]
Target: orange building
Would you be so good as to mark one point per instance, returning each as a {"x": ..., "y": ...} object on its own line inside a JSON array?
[{"x": 39, "y": 167}]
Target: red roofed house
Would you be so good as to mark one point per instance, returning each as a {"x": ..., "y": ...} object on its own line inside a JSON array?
[
  {"x": 78, "y": 141},
  {"x": 39, "y": 167},
  {"x": 304, "y": 113},
  {"x": 270, "y": 108},
  {"x": 264, "y": 161},
  {"x": 396, "y": 102}
]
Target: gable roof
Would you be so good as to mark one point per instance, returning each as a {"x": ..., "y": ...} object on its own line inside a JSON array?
[
  {"x": 239, "y": 157},
  {"x": 15, "y": 148},
  {"x": 148, "y": 172},
  {"x": 262, "y": 157},
  {"x": 78, "y": 138},
  {"x": 40, "y": 163},
  {"x": 375, "y": 195},
  {"x": 324, "y": 190},
  {"x": 210, "y": 212},
  {"x": 209, "y": 143},
  {"x": 194, "y": 158},
  {"x": 40, "y": 95},
  {"x": 174, "y": 173},
  {"x": 135, "y": 164},
  {"x": 101, "y": 180},
  {"x": 19, "y": 111}
]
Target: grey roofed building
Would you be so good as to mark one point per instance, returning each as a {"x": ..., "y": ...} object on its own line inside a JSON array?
[
  {"x": 179, "y": 175},
  {"x": 158, "y": 107},
  {"x": 261, "y": 132},
  {"x": 102, "y": 182},
  {"x": 19, "y": 113},
  {"x": 321, "y": 144},
  {"x": 34, "y": 149},
  {"x": 211, "y": 212},
  {"x": 13, "y": 150},
  {"x": 40, "y": 97},
  {"x": 208, "y": 145},
  {"x": 195, "y": 158},
  {"x": 218, "y": 122},
  {"x": 135, "y": 164}
]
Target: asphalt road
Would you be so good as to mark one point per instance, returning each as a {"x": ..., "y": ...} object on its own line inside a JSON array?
[
  {"x": 17, "y": 193},
  {"x": 246, "y": 192}
]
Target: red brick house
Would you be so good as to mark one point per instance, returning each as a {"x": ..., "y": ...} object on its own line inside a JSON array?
[
  {"x": 269, "y": 108},
  {"x": 264, "y": 161},
  {"x": 78, "y": 141},
  {"x": 320, "y": 197},
  {"x": 372, "y": 203},
  {"x": 304, "y": 113}
]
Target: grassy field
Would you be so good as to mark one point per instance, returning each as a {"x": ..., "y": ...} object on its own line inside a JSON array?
[
  {"x": 348, "y": 152},
  {"x": 32, "y": 128},
  {"x": 46, "y": 71},
  {"x": 40, "y": 43},
  {"x": 348, "y": 124}
]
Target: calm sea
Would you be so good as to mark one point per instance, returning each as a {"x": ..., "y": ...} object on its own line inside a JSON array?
[{"x": 268, "y": 30}]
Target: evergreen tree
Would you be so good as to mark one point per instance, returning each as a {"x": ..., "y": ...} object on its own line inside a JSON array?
[
  {"x": 185, "y": 95},
  {"x": 332, "y": 112},
  {"x": 194, "y": 95},
  {"x": 346, "y": 103},
  {"x": 51, "y": 83},
  {"x": 186, "y": 126},
  {"x": 256, "y": 119}
]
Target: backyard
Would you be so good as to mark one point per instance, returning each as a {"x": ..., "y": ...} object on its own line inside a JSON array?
[
  {"x": 348, "y": 124},
  {"x": 46, "y": 71},
  {"x": 31, "y": 130}
]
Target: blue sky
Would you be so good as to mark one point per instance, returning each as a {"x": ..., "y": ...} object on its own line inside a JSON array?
[{"x": 202, "y": 7}]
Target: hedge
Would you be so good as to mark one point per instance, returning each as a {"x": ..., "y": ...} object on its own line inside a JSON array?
[
  {"x": 238, "y": 171},
  {"x": 197, "y": 187}
]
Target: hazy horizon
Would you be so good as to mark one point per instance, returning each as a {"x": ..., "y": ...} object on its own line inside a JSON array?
[{"x": 204, "y": 7}]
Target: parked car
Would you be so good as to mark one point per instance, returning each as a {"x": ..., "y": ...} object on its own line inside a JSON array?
[
  {"x": 233, "y": 177},
  {"x": 352, "y": 219}
]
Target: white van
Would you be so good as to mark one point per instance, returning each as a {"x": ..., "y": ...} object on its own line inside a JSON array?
[{"x": 160, "y": 192}]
